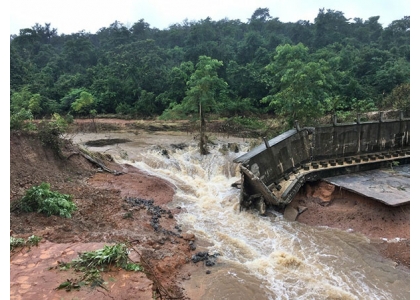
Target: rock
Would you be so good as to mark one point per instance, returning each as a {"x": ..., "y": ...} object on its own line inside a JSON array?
[
  {"x": 200, "y": 256},
  {"x": 165, "y": 153},
  {"x": 236, "y": 184},
  {"x": 209, "y": 260},
  {"x": 290, "y": 213},
  {"x": 233, "y": 147},
  {"x": 188, "y": 236},
  {"x": 301, "y": 209},
  {"x": 179, "y": 146},
  {"x": 261, "y": 207}
]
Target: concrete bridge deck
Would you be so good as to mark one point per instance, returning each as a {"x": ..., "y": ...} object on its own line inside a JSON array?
[
  {"x": 390, "y": 186},
  {"x": 377, "y": 176}
]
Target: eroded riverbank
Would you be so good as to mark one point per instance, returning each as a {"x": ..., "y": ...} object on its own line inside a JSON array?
[
  {"x": 239, "y": 252},
  {"x": 253, "y": 249}
]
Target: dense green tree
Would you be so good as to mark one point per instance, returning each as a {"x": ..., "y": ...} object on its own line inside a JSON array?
[
  {"x": 145, "y": 105},
  {"x": 330, "y": 26},
  {"x": 20, "y": 99},
  {"x": 27, "y": 43},
  {"x": 20, "y": 70},
  {"x": 115, "y": 35},
  {"x": 300, "y": 87},
  {"x": 248, "y": 47},
  {"x": 67, "y": 101},
  {"x": 245, "y": 82},
  {"x": 84, "y": 104},
  {"x": 396, "y": 37},
  {"x": 202, "y": 39},
  {"x": 178, "y": 78},
  {"x": 127, "y": 71},
  {"x": 391, "y": 74},
  {"x": 175, "y": 36},
  {"x": 78, "y": 53},
  {"x": 26, "y": 104},
  {"x": 46, "y": 33},
  {"x": 333, "y": 65},
  {"x": 141, "y": 30},
  {"x": 399, "y": 99},
  {"x": 35, "y": 104},
  {"x": 107, "y": 89},
  {"x": 300, "y": 32}
]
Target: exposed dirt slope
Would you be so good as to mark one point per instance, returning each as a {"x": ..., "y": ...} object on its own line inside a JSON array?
[{"x": 103, "y": 217}]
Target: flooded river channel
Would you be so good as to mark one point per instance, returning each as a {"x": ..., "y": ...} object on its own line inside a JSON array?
[{"x": 258, "y": 257}]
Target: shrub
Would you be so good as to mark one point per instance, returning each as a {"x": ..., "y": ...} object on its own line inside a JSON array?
[
  {"x": 50, "y": 132},
  {"x": 92, "y": 263},
  {"x": 16, "y": 243},
  {"x": 33, "y": 240},
  {"x": 41, "y": 199},
  {"x": 116, "y": 254},
  {"x": 22, "y": 120}
]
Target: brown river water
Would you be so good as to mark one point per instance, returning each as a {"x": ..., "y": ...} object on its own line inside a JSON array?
[{"x": 258, "y": 257}]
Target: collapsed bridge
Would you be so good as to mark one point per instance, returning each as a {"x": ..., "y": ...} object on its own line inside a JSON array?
[{"x": 273, "y": 172}]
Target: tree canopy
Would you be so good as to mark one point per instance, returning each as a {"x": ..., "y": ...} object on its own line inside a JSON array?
[{"x": 298, "y": 70}]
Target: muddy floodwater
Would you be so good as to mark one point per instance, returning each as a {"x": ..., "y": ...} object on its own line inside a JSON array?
[{"x": 258, "y": 257}]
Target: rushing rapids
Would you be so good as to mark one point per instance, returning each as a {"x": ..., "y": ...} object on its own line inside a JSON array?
[{"x": 265, "y": 257}]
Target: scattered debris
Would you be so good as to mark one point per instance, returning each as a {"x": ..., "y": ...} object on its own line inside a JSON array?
[
  {"x": 156, "y": 211},
  {"x": 291, "y": 213},
  {"x": 106, "y": 142},
  {"x": 209, "y": 260}
]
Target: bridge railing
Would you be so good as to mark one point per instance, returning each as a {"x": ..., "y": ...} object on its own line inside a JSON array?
[{"x": 275, "y": 159}]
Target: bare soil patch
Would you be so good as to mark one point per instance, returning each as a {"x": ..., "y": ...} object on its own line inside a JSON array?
[{"x": 104, "y": 216}]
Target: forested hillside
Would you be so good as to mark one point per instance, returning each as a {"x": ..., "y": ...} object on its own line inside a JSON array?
[{"x": 298, "y": 71}]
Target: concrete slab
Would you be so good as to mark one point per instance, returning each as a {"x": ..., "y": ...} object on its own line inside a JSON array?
[{"x": 390, "y": 186}]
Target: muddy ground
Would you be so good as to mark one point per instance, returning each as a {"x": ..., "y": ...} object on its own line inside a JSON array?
[{"x": 104, "y": 217}]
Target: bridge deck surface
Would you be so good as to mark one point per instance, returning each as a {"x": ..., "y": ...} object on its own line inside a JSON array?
[{"x": 390, "y": 186}]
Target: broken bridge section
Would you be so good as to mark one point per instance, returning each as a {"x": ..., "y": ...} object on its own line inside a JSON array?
[
  {"x": 390, "y": 186},
  {"x": 273, "y": 172}
]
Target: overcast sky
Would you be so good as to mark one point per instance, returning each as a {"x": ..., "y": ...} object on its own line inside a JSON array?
[{"x": 91, "y": 15}]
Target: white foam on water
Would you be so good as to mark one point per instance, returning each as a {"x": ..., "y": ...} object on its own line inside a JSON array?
[{"x": 292, "y": 260}]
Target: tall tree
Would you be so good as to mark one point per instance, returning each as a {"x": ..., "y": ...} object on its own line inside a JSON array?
[
  {"x": 204, "y": 89},
  {"x": 85, "y": 105},
  {"x": 330, "y": 26}
]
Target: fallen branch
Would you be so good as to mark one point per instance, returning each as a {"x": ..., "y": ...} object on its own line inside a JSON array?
[
  {"x": 99, "y": 164},
  {"x": 71, "y": 154}
]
